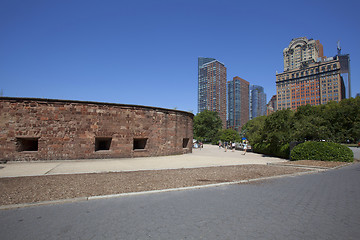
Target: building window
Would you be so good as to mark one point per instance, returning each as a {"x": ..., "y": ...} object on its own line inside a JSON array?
[
  {"x": 102, "y": 143},
  {"x": 27, "y": 144},
  {"x": 139, "y": 143},
  {"x": 185, "y": 142}
]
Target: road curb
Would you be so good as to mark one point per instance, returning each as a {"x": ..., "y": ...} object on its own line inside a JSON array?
[
  {"x": 297, "y": 166},
  {"x": 307, "y": 166},
  {"x": 82, "y": 199},
  {"x": 23, "y": 205}
]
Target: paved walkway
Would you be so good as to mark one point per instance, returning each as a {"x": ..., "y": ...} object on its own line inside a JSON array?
[
  {"x": 207, "y": 157},
  {"x": 356, "y": 152}
]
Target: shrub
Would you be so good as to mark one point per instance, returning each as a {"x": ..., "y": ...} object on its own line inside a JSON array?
[
  {"x": 281, "y": 151},
  {"x": 324, "y": 151},
  {"x": 261, "y": 148},
  {"x": 284, "y": 151}
]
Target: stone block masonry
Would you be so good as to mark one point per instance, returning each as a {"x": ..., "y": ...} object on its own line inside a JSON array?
[{"x": 46, "y": 129}]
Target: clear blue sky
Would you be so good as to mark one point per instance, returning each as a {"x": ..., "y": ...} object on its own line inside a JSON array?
[{"x": 145, "y": 52}]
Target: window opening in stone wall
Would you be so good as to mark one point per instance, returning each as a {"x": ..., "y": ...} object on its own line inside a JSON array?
[
  {"x": 185, "y": 142},
  {"x": 140, "y": 143},
  {"x": 27, "y": 144},
  {"x": 102, "y": 143}
]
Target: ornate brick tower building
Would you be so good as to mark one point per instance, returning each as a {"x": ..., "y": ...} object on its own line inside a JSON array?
[
  {"x": 309, "y": 77},
  {"x": 301, "y": 50}
]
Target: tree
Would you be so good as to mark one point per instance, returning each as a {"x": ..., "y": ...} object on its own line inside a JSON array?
[
  {"x": 207, "y": 124},
  {"x": 348, "y": 120},
  {"x": 309, "y": 124},
  {"x": 343, "y": 119},
  {"x": 277, "y": 127},
  {"x": 253, "y": 129},
  {"x": 336, "y": 122},
  {"x": 270, "y": 134},
  {"x": 229, "y": 135}
]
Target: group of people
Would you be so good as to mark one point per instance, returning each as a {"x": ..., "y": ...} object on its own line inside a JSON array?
[
  {"x": 198, "y": 145},
  {"x": 226, "y": 145},
  {"x": 232, "y": 146}
]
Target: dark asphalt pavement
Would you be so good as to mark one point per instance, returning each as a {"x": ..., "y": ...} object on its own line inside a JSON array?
[{"x": 323, "y": 205}]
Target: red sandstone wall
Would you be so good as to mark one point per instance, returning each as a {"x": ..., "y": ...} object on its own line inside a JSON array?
[{"x": 67, "y": 129}]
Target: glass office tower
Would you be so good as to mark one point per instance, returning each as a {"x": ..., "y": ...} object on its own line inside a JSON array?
[{"x": 257, "y": 101}]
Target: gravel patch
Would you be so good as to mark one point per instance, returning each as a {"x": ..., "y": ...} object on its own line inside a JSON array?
[{"x": 55, "y": 187}]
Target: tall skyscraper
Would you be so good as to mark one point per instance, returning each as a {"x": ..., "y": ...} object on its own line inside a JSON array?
[
  {"x": 238, "y": 103},
  {"x": 311, "y": 81},
  {"x": 257, "y": 100},
  {"x": 344, "y": 60},
  {"x": 212, "y": 87}
]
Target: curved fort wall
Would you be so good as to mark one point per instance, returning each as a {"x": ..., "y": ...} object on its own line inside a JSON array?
[{"x": 45, "y": 129}]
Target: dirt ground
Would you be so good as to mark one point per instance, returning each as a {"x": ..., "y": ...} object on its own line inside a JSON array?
[
  {"x": 325, "y": 164},
  {"x": 54, "y": 187}
]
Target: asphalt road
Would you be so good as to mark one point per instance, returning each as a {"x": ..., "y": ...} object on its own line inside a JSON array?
[{"x": 323, "y": 205}]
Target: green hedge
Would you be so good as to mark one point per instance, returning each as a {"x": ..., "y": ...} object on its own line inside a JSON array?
[
  {"x": 282, "y": 151},
  {"x": 261, "y": 148},
  {"x": 324, "y": 151}
]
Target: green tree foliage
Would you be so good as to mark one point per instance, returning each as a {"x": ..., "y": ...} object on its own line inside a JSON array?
[
  {"x": 277, "y": 127},
  {"x": 253, "y": 129},
  {"x": 270, "y": 135},
  {"x": 207, "y": 124},
  {"x": 309, "y": 124},
  {"x": 343, "y": 119},
  {"x": 229, "y": 135},
  {"x": 333, "y": 122}
]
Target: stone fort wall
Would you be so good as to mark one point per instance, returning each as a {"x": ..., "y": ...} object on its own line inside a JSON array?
[{"x": 45, "y": 129}]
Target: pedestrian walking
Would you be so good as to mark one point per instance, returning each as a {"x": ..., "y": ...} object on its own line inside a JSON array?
[{"x": 245, "y": 148}]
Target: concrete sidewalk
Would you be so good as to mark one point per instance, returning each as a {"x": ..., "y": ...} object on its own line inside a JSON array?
[{"x": 209, "y": 156}]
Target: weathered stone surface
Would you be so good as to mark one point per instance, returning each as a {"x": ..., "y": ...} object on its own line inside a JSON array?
[{"x": 69, "y": 129}]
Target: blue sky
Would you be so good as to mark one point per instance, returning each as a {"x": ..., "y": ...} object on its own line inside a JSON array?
[{"x": 145, "y": 52}]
